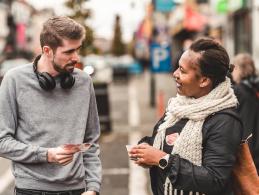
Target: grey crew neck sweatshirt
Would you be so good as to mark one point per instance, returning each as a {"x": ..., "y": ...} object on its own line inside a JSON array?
[{"x": 33, "y": 120}]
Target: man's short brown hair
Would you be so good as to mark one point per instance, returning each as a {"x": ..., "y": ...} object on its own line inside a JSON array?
[{"x": 58, "y": 28}]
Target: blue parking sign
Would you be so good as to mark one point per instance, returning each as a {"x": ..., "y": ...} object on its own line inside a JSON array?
[{"x": 160, "y": 57}]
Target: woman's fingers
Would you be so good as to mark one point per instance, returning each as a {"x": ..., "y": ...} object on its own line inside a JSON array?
[
  {"x": 137, "y": 155},
  {"x": 142, "y": 146},
  {"x": 141, "y": 160},
  {"x": 143, "y": 163},
  {"x": 138, "y": 149},
  {"x": 148, "y": 156}
]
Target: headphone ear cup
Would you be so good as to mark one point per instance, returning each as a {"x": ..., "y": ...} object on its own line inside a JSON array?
[
  {"x": 46, "y": 81},
  {"x": 67, "y": 81}
]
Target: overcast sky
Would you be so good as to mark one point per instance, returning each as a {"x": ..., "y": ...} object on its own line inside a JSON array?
[{"x": 104, "y": 11}]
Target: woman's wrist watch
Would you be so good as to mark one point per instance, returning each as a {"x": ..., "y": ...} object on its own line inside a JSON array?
[{"x": 163, "y": 162}]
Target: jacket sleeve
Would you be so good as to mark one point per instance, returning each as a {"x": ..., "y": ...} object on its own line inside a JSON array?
[
  {"x": 91, "y": 158},
  {"x": 220, "y": 143},
  {"x": 10, "y": 147}
]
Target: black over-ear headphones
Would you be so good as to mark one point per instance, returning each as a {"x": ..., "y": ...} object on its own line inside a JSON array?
[{"x": 47, "y": 82}]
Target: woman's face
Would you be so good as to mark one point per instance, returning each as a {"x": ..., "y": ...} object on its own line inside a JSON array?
[{"x": 189, "y": 80}]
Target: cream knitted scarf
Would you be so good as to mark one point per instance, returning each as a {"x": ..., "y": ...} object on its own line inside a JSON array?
[{"x": 189, "y": 143}]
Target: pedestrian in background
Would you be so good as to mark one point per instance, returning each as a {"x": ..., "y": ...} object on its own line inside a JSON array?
[
  {"x": 48, "y": 108},
  {"x": 193, "y": 146},
  {"x": 246, "y": 87}
]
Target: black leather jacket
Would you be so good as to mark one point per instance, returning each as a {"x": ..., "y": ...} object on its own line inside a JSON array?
[{"x": 221, "y": 135}]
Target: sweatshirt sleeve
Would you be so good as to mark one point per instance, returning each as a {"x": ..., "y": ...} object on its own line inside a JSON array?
[
  {"x": 92, "y": 161},
  {"x": 10, "y": 147},
  {"x": 219, "y": 153}
]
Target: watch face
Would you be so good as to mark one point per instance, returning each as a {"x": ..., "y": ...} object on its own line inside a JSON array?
[{"x": 163, "y": 162}]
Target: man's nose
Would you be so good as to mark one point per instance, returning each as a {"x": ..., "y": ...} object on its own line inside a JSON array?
[{"x": 75, "y": 57}]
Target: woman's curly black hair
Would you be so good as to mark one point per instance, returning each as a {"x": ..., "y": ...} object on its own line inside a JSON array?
[{"x": 213, "y": 60}]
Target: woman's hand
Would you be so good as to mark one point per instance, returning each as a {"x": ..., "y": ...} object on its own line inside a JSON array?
[{"x": 146, "y": 155}]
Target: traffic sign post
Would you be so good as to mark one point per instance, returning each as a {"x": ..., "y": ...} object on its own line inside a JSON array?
[{"x": 160, "y": 63}]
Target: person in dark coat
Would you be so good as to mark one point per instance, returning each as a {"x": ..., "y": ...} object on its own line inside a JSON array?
[
  {"x": 246, "y": 87},
  {"x": 193, "y": 146}
]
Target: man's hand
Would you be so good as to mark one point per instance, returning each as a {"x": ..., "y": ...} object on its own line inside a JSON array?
[
  {"x": 61, "y": 155},
  {"x": 89, "y": 193}
]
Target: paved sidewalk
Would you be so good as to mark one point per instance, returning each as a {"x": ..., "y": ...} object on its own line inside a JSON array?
[{"x": 115, "y": 164}]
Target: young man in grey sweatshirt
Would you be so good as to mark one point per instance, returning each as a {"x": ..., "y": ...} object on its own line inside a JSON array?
[{"x": 45, "y": 108}]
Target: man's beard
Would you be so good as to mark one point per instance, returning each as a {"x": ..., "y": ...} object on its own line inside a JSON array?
[{"x": 63, "y": 70}]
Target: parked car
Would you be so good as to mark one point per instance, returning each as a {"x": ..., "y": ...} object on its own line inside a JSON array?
[
  {"x": 123, "y": 66},
  {"x": 98, "y": 67},
  {"x": 9, "y": 64}
]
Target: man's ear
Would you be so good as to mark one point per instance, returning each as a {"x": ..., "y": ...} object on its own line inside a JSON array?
[
  {"x": 47, "y": 50},
  {"x": 205, "y": 82}
]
